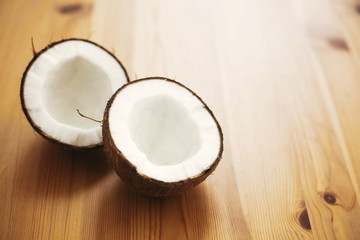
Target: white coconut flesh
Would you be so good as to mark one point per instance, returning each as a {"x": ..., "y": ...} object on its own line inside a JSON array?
[
  {"x": 163, "y": 130},
  {"x": 71, "y": 75}
]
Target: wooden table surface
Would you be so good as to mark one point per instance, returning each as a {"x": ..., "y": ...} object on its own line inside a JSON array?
[{"x": 282, "y": 77}]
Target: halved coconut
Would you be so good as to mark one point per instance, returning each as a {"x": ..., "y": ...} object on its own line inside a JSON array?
[
  {"x": 160, "y": 137},
  {"x": 66, "y": 77}
]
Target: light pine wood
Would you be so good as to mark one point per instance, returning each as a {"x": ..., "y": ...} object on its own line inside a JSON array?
[{"x": 282, "y": 77}]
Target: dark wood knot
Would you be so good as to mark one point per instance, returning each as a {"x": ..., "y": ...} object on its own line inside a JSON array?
[
  {"x": 357, "y": 9},
  {"x": 329, "y": 198},
  {"x": 70, "y": 8},
  {"x": 338, "y": 43},
  {"x": 304, "y": 219}
]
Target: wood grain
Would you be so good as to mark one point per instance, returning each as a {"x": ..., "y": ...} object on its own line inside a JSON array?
[{"x": 281, "y": 76}]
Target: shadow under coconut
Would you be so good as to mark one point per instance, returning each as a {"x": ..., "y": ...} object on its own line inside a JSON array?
[
  {"x": 125, "y": 214},
  {"x": 55, "y": 172}
]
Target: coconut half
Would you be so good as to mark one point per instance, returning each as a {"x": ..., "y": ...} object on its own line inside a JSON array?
[
  {"x": 160, "y": 137},
  {"x": 66, "y": 76}
]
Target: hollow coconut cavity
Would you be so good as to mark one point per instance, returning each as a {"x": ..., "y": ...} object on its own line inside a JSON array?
[
  {"x": 160, "y": 137},
  {"x": 66, "y": 76}
]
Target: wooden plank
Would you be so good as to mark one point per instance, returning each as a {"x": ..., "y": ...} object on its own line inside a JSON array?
[
  {"x": 159, "y": 48},
  {"x": 332, "y": 191},
  {"x": 36, "y": 180},
  {"x": 252, "y": 52},
  {"x": 282, "y": 79}
]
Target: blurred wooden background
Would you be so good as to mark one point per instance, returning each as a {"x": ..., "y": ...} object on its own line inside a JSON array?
[{"x": 281, "y": 76}]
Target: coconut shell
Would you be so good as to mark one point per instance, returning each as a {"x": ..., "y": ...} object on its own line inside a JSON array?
[
  {"x": 138, "y": 181},
  {"x": 23, "y": 79}
]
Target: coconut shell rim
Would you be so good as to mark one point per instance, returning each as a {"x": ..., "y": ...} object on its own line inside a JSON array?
[
  {"x": 196, "y": 178},
  {"x": 22, "y": 100}
]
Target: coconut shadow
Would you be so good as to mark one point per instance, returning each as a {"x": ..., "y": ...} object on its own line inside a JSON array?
[
  {"x": 126, "y": 214},
  {"x": 57, "y": 172}
]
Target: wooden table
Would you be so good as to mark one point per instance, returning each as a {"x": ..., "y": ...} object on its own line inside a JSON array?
[{"x": 281, "y": 76}]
